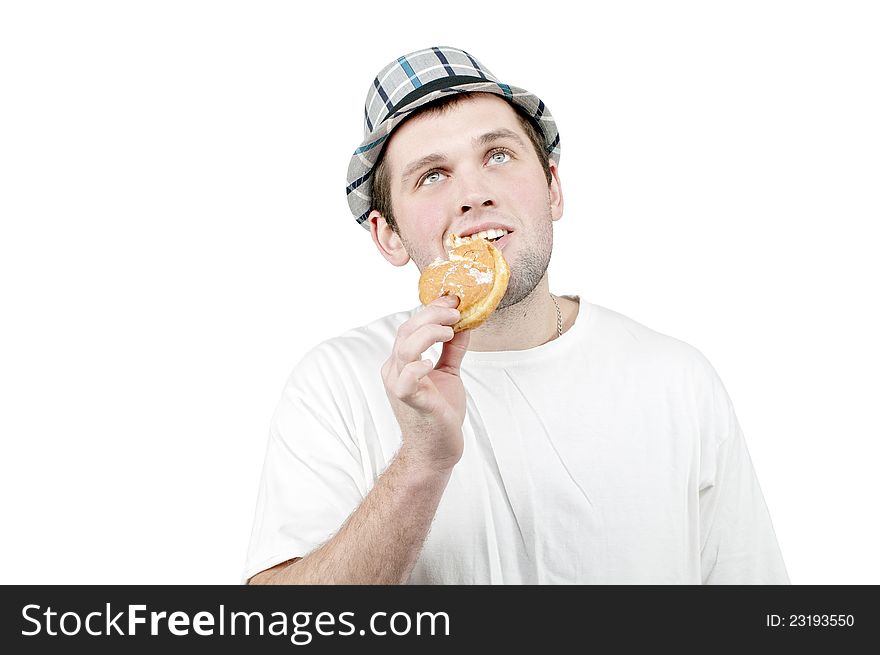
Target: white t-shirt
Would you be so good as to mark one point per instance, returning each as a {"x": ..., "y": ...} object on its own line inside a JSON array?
[{"x": 611, "y": 455}]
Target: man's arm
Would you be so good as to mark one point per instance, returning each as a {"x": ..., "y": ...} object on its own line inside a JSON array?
[
  {"x": 380, "y": 541},
  {"x": 738, "y": 542}
]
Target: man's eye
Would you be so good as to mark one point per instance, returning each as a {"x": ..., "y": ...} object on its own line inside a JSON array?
[
  {"x": 499, "y": 157},
  {"x": 431, "y": 177}
]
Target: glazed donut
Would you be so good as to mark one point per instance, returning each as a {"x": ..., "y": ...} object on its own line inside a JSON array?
[{"x": 475, "y": 271}]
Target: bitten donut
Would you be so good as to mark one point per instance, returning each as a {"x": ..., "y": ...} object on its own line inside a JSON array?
[{"x": 475, "y": 272}]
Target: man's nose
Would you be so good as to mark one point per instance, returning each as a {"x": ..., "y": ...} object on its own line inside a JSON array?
[{"x": 475, "y": 194}]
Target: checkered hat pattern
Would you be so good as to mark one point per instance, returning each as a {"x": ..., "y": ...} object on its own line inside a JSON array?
[{"x": 414, "y": 80}]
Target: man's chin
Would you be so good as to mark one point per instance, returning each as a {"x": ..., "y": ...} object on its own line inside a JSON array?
[
  {"x": 523, "y": 282},
  {"x": 515, "y": 294}
]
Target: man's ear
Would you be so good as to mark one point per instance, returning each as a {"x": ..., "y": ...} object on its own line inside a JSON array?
[
  {"x": 556, "y": 204},
  {"x": 387, "y": 240}
]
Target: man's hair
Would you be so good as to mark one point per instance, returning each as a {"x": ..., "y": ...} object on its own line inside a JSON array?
[{"x": 381, "y": 192}]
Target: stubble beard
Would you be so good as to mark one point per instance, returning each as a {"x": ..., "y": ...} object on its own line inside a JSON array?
[{"x": 528, "y": 271}]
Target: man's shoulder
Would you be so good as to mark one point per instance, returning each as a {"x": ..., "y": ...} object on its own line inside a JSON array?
[
  {"x": 625, "y": 336},
  {"x": 358, "y": 346},
  {"x": 376, "y": 336}
]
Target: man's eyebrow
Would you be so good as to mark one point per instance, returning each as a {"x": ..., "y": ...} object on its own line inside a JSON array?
[
  {"x": 416, "y": 166},
  {"x": 439, "y": 157},
  {"x": 495, "y": 135}
]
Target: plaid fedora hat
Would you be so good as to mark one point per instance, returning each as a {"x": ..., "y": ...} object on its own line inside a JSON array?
[{"x": 412, "y": 81}]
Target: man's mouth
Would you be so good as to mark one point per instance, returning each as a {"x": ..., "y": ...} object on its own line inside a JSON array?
[{"x": 492, "y": 235}]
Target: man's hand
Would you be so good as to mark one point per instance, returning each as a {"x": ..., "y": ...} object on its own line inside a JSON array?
[{"x": 429, "y": 401}]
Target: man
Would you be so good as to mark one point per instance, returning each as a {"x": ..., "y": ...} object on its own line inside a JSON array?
[{"x": 560, "y": 442}]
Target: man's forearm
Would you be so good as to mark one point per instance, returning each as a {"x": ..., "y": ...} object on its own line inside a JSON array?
[{"x": 380, "y": 542}]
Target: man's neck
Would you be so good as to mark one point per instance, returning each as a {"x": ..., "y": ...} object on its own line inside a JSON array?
[{"x": 527, "y": 324}]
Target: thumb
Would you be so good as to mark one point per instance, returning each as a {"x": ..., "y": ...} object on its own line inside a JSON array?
[{"x": 453, "y": 352}]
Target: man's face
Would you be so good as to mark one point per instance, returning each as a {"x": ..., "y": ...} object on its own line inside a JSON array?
[{"x": 469, "y": 169}]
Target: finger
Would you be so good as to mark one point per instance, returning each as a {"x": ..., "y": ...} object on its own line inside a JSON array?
[
  {"x": 410, "y": 348},
  {"x": 428, "y": 315},
  {"x": 408, "y": 385},
  {"x": 453, "y": 352},
  {"x": 439, "y": 312},
  {"x": 449, "y": 300}
]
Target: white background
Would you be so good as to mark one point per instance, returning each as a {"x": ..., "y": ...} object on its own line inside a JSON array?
[{"x": 175, "y": 236}]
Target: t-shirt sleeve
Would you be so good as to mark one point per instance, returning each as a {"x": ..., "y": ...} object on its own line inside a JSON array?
[
  {"x": 312, "y": 477},
  {"x": 738, "y": 543}
]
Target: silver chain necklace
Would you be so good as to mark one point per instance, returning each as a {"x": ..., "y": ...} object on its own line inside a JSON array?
[{"x": 558, "y": 317}]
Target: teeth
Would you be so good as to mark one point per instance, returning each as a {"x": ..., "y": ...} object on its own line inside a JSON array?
[{"x": 493, "y": 233}]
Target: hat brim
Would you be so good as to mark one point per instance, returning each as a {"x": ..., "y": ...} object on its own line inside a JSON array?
[{"x": 360, "y": 179}]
